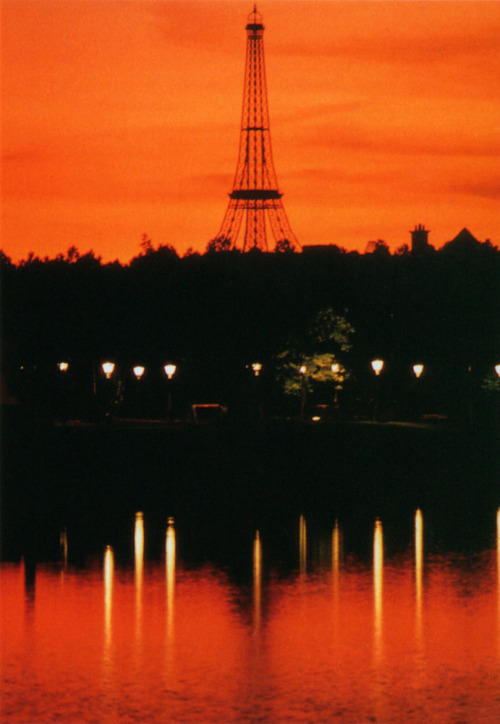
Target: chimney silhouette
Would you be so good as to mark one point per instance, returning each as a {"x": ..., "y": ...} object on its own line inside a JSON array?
[{"x": 419, "y": 241}]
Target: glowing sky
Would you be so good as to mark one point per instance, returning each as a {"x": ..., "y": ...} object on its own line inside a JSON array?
[{"x": 122, "y": 118}]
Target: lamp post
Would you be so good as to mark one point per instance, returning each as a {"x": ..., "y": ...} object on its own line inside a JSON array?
[
  {"x": 377, "y": 367},
  {"x": 417, "y": 396},
  {"x": 63, "y": 391},
  {"x": 170, "y": 370},
  {"x": 257, "y": 369},
  {"x": 138, "y": 390},
  {"x": 335, "y": 369},
  {"x": 303, "y": 389},
  {"x": 108, "y": 368}
]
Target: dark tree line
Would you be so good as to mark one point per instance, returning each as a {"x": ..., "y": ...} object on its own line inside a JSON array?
[{"x": 216, "y": 313}]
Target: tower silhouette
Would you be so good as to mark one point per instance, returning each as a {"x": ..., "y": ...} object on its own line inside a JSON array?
[{"x": 255, "y": 191}]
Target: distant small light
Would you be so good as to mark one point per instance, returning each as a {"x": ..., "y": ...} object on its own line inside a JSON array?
[
  {"x": 63, "y": 366},
  {"x": 257, "y": 367},
  {"x": 108, "y": 368},
  {"x": 497, "y": 369},
  {"x": 335, "y": 367},
  {"x": 418, "y": 369},
  {"x": 316, "y": 418},
  {"x": 377, "y": 366},
  {"x": 302, "y": 369},
  {"x": 170, "y": 370},
  {"x": 138, "y": 371}
]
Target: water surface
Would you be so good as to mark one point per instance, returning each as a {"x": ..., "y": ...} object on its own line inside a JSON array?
[{"x": 385, "y": 635}]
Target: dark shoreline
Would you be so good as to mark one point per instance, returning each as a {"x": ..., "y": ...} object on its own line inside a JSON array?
[{"x": 223, "y": 482}]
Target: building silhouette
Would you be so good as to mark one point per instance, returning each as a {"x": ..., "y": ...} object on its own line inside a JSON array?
[{"x": 420, "y": 240}]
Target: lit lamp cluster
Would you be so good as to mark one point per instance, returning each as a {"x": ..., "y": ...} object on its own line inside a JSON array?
[
  {"x": 378, "y": 366},
  {"x": 109, "y": 367},
  {"x": 170, "y": 369}
]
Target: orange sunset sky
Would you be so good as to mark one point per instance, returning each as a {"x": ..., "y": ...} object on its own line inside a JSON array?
[{"x": 122, "y": 118}]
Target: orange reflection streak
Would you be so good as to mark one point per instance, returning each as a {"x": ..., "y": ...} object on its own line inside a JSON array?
[
  {"x": 302, "y": 545},
  {"x": 139, "y": 568},
  {"x": 336, "y": 546},
  {"x": 336, "y": 542},
  {"x": 63, "y": 541},
  {"x": 257, "y": 583},
  {"x": 378, "y": 571},
  {"x": 311, "y": 671},
  {"x": 498, "y": 574},
  {"x": 170, "y": 580},
  {"x": 419, "y": 569},
  {"x": 498, "y": 548},
  {"x": 109, "y": 565}
]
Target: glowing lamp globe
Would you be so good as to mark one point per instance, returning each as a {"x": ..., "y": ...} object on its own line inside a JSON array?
[
  {"x": 138, "y": 371},
  {"x": 418, "y": 369},
  {"x": 170, "y": 370},
  {"x": 256, "y": 367},
  {"x": 63, "y": 366},
  {"x": 335, "y": 368},
  {"x": 377, "y": 366},
  {"x": 497, "y": 369},
  {"x": 108, "y": 368},
  {"x": 302, "y": 369}
]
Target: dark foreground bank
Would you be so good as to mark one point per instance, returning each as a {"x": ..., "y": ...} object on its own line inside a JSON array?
[{"x": 223, "y": 482}]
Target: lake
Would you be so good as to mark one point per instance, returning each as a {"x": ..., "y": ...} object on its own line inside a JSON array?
[{"x": 354, "y": 622}]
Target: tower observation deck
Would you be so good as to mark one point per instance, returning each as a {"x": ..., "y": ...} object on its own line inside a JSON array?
[{"x": 255, "y": 198}]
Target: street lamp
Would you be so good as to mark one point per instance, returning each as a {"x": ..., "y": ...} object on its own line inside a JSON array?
[
  {"x": 377, "y": 366},
  {"x": 303, "y": 390},
  {"x": 138, "y": 371},
  {"x": 256, "y": 367},
  {"x": 417, "y": 370},
  {"x": 335, "y": 369},
  {"x": 497, "y": 370},
  {"x": 63, "y": 366},
  {"x": 170, "y": 370},
  {"x": 108, "y": 368}
]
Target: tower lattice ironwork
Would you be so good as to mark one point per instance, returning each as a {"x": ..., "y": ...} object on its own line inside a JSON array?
[{"x": 255, "y": 197}]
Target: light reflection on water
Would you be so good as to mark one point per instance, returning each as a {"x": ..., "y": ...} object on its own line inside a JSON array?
[{"x": 408, "y": 638}]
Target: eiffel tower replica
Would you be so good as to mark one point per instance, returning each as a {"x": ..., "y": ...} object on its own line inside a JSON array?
[{"x": 255, "y": 193}]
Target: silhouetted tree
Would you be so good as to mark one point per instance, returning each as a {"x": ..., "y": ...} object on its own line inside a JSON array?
[
  {"x": 219, "y": 243},
  {"x": 284, "y": 246},
  {"x": 310, "y": 361}
]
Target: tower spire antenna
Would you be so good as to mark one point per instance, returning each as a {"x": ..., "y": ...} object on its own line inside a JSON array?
[{"x": 255, "y": 198}]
